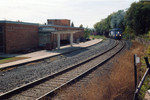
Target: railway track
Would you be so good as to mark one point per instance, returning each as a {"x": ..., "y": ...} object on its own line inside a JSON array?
[{"x": 40, "y": 88}]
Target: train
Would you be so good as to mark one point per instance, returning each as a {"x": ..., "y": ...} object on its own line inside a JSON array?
[{"x": 116, "y": 33}]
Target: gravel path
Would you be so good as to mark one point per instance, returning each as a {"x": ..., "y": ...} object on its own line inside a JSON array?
[{"x": 27, "y": 73}]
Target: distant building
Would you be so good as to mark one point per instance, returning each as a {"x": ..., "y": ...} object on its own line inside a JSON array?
[{"x": 18, "y": 36}]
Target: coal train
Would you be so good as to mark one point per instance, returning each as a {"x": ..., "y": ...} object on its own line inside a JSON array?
[{"x": 116, "y": 33}]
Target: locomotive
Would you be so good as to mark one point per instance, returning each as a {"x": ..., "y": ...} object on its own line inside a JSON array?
[{"x": 116, "y": 33}]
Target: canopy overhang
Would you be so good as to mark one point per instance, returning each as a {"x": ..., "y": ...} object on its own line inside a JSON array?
[{"x": 71, "y": 32}]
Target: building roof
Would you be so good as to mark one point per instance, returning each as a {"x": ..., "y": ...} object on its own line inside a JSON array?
[
  {"x": 58, "y": 19},
  {"x": 66, "y": 32},
  {"x": 18, "y": 22},
  {"x": 50, "y": 25},
  {"x": 46, "y": 29}
]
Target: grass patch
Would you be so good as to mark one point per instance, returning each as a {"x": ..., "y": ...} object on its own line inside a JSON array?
[
  {"x": 10, "y": 59},
  {"x": 144, "y": 88},
  {"x": 146, "y": 84},
  {"x": 97, "y": 37}
]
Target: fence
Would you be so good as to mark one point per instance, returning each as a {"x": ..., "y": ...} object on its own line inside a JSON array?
[{"x": 137, "y": 88}]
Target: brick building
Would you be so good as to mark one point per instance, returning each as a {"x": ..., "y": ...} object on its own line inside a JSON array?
[
  {"x": 58, "y": 25},
  {"x": 60, "y": 22},
  {"x": 18, "y": 36}
]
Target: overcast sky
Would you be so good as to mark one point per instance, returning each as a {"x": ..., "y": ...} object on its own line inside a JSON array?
[{"x": 86, "y": 12}]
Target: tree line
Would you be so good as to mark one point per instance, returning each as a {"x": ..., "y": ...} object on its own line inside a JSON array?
[{"x": 135, "y": 20}]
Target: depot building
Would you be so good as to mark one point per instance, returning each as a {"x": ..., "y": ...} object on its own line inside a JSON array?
[{"x": 16, "y": 36}]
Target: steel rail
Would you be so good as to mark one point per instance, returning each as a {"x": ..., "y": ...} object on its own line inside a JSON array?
[
  {"x": 37, "y": 82},
  {"x": 84, "y": 73}
]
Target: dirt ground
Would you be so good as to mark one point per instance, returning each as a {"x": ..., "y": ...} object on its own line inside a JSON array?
[{"x": 112, "y": 83}]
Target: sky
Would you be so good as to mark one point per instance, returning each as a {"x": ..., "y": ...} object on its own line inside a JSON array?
[{"x": 85, "y": 12}]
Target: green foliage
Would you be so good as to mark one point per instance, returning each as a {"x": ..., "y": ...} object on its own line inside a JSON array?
[
  {"x": 87, "y": 33},
  {"x": 138, "y": 17},
  {"x": 72, "y": 24},
  {"x": 144, "y": 88},
  {"x": 146, "y": 84},
  {"x": 81, "y": 26},
  {"x": 136, "y": 20},
  {"x": 114, "y": 20},
  {"x": 117, "y": 19},
  {"x": 146, "y": 36},
  {"x": 10, "y": 59},
  {"x": 129, "y": 36},
  {"x": 97, "y": 37},
  {"x": 128, "y": 30},
  {"x": 148, "y": 51},
  {"x": 148, "y": 33},
  {"x": 102, "y": 25}
]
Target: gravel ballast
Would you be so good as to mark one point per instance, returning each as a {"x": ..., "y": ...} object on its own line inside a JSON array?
[{"x": 27, "y": 73}]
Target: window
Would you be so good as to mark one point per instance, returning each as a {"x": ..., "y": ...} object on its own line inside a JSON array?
[
  {"x": 1, "y": 29},
  {"x": 50, "y": 22}
]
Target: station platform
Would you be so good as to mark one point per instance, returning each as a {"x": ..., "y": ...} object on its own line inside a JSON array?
[{"x": 43, "y": 54}]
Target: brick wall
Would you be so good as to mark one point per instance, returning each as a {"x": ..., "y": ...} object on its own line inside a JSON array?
[
  {"x": 62, "y": 22},
  {"x": 20, "y": 37}
]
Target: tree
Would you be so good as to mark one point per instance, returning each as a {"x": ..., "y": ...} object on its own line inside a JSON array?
[
  {"x": 138, "y": 17},
  {"x": 101, "y": 26},
  {"x": 144, "y": 0},
  {"x": 117, "y": 19},
  {"x": 87, "y": 33},
  {"x": 135, "y": 20},
  {"x": 81, "y": 26},
  {"x": 72, "y": 24},
  {"x": 114, "y": 20}
]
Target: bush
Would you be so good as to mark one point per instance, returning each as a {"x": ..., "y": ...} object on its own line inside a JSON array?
[
  {"x": 129, "y": 36},
  {"x": 87, "y": 32}
]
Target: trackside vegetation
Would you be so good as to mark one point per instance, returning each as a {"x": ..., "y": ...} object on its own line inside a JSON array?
[
  {"x": 146, "y": 84},
  {"x": 134, "y": 21}
]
